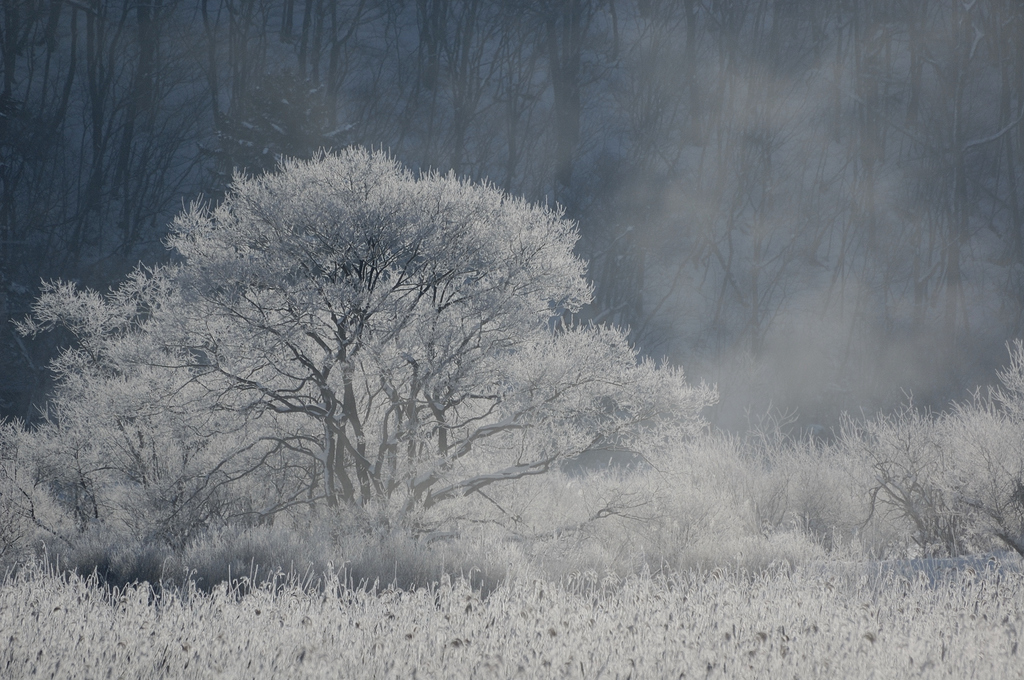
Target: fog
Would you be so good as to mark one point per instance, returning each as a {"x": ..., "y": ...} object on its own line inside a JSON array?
[{"x": 813, "y": 204}]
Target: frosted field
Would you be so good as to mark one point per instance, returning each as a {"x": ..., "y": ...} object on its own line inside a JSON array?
[{"x": 773, "y": 626}]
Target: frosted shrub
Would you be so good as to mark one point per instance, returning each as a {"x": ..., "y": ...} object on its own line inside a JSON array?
[
  {"x": 1011, "y": 396},
  {"x": 987, "y": 483},
  {"x": 15, "y": 510},
  {"x": 988, "y": 436},
  {"x": 950, "y": 483},
  {"x": 914, "y": 480},
  {"x": 132, "y": 446},
  {"x": 394, "y": 560},
  {"x": 696, "y": 509},
  {"x": 30, "y": 514},
  {"x": 825, "y": 499},
  {"x": 731, "y": 506}
]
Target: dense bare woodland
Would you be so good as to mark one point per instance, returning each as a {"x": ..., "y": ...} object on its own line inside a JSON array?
[
  {"x": 345, "y": 338},
  {"x": 815, "y": 203}
]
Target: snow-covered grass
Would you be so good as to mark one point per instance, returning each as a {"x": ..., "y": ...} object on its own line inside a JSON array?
[{"x": 827, "y": 621}]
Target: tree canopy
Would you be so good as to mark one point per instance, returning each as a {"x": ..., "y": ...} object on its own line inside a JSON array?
[{"x": 343, "y": 331}]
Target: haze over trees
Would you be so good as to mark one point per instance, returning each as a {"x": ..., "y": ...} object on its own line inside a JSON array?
[{"x": 816, "y": 201}]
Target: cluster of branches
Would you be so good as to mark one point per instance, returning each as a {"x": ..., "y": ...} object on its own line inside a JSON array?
[
  {"x": 954, "y": 480},
  {"x": 339, "y": 333},
  {"x": 734, "y": 164}
]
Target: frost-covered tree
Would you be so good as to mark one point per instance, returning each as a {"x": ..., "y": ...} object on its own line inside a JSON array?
[{"x": 343, "y": 331}]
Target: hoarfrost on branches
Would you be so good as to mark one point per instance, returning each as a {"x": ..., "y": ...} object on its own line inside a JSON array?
[{"x": 343, "y": 331}]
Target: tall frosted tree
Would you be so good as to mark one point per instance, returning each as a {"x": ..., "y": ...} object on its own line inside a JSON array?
[{"x": 343, "y": 331}]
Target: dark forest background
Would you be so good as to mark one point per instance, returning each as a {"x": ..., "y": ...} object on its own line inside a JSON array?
[{"x": 813, "y": 203}]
